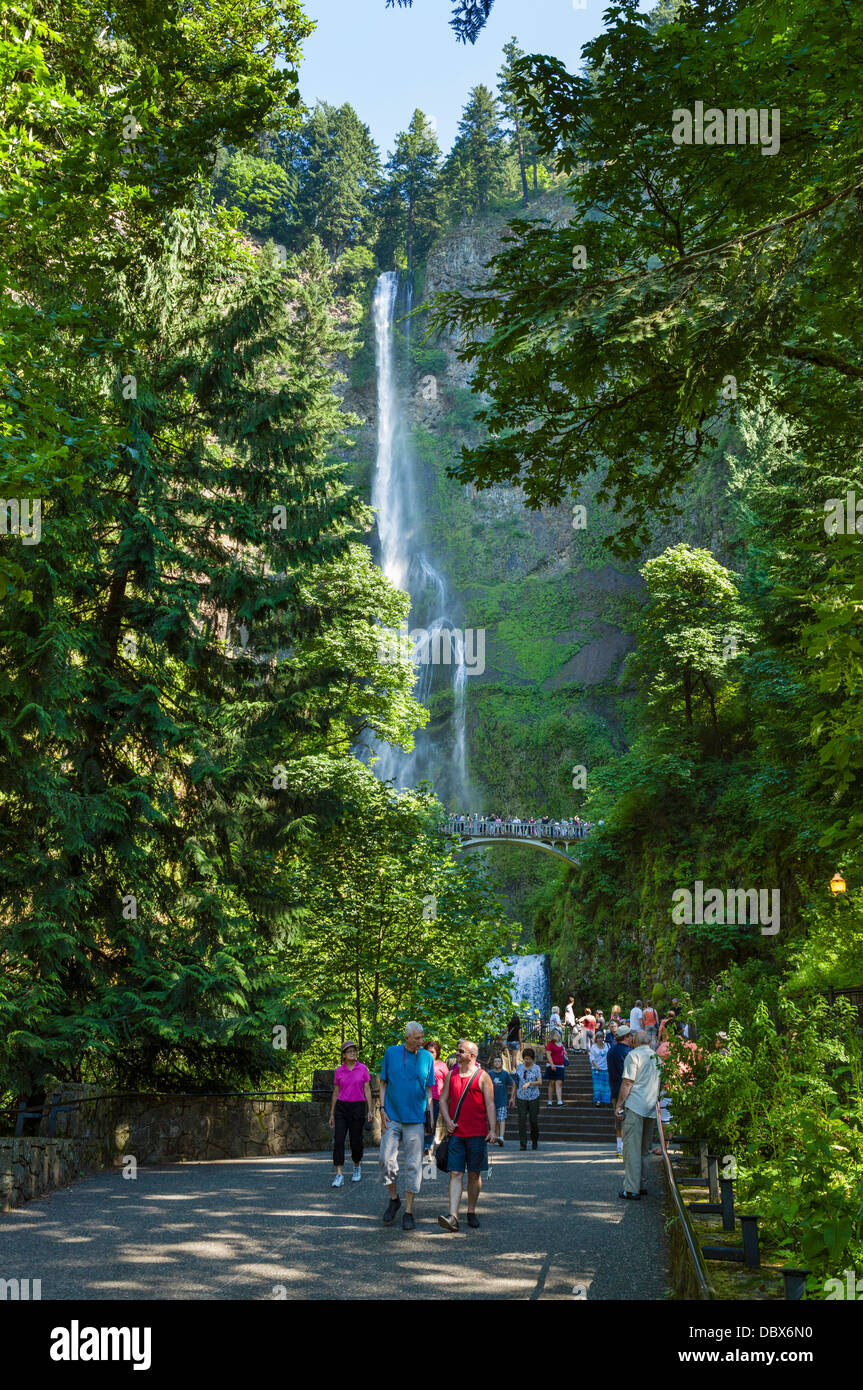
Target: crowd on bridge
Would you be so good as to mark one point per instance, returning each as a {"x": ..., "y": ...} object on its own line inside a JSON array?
[{"x": 531, "y": 827}]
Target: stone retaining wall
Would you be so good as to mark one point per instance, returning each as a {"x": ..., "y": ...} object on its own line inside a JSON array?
[
  {"x": 108, "y": 1130},
  {"x": 29, "y": 1167}
]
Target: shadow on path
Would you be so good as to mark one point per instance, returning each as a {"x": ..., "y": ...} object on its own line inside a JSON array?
[{"x": 273, "y": 1227}]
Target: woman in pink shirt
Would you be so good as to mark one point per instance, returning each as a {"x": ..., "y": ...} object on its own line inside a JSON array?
[
  {"x": 554, "y": 1069},
  {"x": 350, "y": 1106}
]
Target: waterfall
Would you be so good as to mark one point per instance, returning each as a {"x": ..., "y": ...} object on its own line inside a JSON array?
[
  {"x": 531, "y": 980},
  {"x": 438, "y": 645}
]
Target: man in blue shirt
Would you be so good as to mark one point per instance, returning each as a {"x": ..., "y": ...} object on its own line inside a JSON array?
[{"x": 407, "y": 1081}]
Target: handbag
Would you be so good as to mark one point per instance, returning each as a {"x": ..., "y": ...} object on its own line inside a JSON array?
[{"x": 441, "y": 1154}]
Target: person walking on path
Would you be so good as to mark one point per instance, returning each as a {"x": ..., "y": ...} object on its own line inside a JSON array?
[
  {"x": 599, "y": 1068},
  {"x": 500, "y": 1080},
  {"x": 469, "y": 1089},
  {"x": 555, "y": 1069},
  {"x": 588, "y": 1027},
  {"x": 636, "y": 1103},
  {"x": 513, "y": 1040},
  {"x": 569, "y": 1021},
  {"x": 350, "y": 1107},
  {"x": 636, "y": 1016},
  {"x": 407, "y": 1083},
  {"x": 618, "y": 1052},
  {"x": 441, "y": 1071},
  {"x": 650, "y": 1022},
  {"x": 525, "y": 1087},
  {"x": 555, "y": 1023}
]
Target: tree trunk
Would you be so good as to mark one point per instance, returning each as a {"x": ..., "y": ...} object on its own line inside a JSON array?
[{"x": 521, "y": 167}]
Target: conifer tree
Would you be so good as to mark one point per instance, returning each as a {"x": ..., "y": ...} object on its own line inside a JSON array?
[
  {"x": 475, "y": 164},
  {"x": 411, "y": 199},
  {"x": 339, "y": 169},
  {"x": 509, "y": 103},
  {"x": 170, "y": 667}
]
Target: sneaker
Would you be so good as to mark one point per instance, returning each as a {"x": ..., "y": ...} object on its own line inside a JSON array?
[
  {"x": 448, "y": 1223},
  {"x": 560, "y": 1102},
  {"x": 630, "y": 1196},
  {"x": 549, "y": 1105},
  {"x": 338, "y": 1180},
  {"x": 392, "y": 1207},
  {"x": 408, "y": 1223},
  {"x": 357, "y": 1173},
  {"x": 472, "y": 1219}
]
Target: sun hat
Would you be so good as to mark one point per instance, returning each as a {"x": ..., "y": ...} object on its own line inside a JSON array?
[
  {"x": 346, "y": 1045},
  {"x": 623, "y": 1030}
]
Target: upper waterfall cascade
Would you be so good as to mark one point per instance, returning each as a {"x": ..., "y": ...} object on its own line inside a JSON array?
[{"x": 404, "y": 559}]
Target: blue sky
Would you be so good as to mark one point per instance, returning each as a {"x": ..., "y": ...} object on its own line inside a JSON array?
[{"x": 387, "y": 62}]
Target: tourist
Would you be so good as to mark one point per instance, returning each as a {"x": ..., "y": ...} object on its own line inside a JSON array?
[
  {"x": 526, "y": 1090},
  {"x": 600, "y": 1021},
  {"x": 668, "y": 1027},
  {"x": 636, "y": 1104},
  {"x": 588, "y": 1029},
  {"x": 618, "y": 1052},
  {"x": 636, "y": 1017},
  {"x": 513, "y": 1040},
  {"x": 599, "y": 1065},
  {"x": 555, "y": 1069},
  {"x": 350, "y": 1108},
  {"x": 650, "y": 1022},
  {"x": 407, "y": 1083},
  {"x": 441, "y": 1072},
  {"x": 615, "y": 1020},
  {"x": 468, "y": 1090},
  {"x": 500, "y": 1080},
  {"x": 555, "y": 1023},
  {"x": 569, "y": 1021}
]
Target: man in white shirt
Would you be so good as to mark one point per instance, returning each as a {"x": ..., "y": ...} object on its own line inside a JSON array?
[
  {"x": 636, "y": 1017},
  {"x": 636, "y": 1103}
]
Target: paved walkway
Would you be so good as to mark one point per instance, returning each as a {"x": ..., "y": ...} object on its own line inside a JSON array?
[{"x": 273, "y": 1227}]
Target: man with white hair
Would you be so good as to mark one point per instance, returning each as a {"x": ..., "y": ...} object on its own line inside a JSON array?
[
  {"x": 407, "y": 1082},
  {"x": 636, "y": 1106}
]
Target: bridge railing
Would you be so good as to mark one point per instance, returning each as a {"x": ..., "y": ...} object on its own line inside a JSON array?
[{"x": 515, "y": 830}]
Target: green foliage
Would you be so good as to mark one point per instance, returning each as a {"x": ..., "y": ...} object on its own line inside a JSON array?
[
  {"x": 400, "y": 926},
  {"x": 145, "y": 903},
  {"x": 783, "y": 1098}
]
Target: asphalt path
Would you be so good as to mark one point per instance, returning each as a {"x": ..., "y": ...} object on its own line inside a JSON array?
[{"x": 552, "y": 1227}]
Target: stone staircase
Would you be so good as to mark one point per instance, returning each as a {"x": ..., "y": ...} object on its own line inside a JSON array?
[{"x": 578, "y": 1119}]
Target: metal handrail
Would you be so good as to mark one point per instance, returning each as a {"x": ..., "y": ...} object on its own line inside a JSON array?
[{"x": 706, "y": 1290}]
